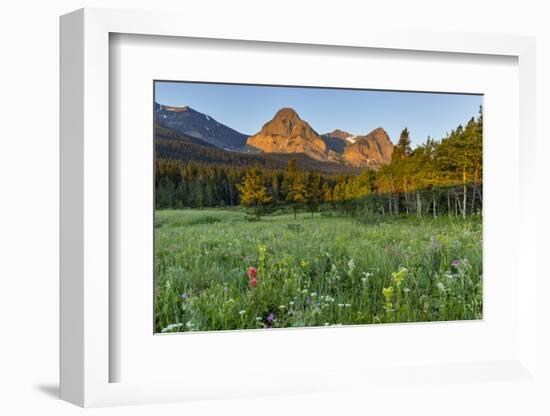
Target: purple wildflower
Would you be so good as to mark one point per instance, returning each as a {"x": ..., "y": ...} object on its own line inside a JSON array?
[
  {"x": 225, "y": 289},
  {"x": 270, "y": 318},
  {"x": 184, "y": 295},
  {"x": 455, "y": 263}
]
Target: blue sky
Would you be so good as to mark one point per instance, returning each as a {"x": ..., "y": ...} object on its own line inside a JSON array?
[{"x": 246, "y": 108}]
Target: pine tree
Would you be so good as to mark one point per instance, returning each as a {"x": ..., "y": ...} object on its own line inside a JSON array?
[
  {"x": 313, "y": 191},
  {"x": 294, "y": 186},
  {"x": 253, "y": 192},
  {"x": 403, "y": 147},
  {"x": 327, "y": 193}
]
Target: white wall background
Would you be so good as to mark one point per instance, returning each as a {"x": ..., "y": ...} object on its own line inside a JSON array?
[{"x": 29, "y": 207}]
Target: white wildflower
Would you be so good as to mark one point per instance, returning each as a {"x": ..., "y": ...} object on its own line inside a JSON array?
[
  {"x": 441, "y": 286},
  {"x": 242, "y": 312},
  {"x": 171, "y": 327}
]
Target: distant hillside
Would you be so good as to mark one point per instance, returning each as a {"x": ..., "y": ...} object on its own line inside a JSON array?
[
  {"x": 171, "y": 145},
  {"x": 192, "y": 123}
]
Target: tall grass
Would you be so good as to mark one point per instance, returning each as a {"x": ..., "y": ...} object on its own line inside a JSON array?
[{"x": 325, "y": 271}]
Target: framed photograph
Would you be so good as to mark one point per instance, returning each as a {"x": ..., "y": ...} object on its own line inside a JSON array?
[
  {"x": 285, "y": 227},
  {"x": 292, "y": 208}
]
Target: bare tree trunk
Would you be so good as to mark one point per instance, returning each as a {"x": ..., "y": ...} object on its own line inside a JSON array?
[
  {"x": 434, "y": 208},
  {"x": 464, "y": 205},
  {"x": 448, "y": 203},
  {"x": 418, "y": 205},
  {"x": 474, "y": 193},
  {"x": 406, "y": 202}
]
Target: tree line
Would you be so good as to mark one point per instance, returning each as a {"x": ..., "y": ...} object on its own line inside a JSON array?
[{"x": 436, "y": 178}]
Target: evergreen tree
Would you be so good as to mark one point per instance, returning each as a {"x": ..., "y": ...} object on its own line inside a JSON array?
[
  {"x": 313, "y": 191},
  {"x": 294, "y": 186},
  {"x": 403, "y": 147},
  {"x": 253, "y": 192}
]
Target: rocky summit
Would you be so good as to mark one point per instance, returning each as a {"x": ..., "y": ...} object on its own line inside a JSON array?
[
  {"x": 337, "y": 140},
  {"x": 373, "y": 150},
  {"x": 288, "y": 133}
]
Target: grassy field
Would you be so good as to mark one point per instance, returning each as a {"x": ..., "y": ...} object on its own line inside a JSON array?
[{"x": 323, "y": 271}]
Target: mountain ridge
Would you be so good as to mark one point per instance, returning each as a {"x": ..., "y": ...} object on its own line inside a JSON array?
[
  {"x": 190, "y": 122},
  {"x": 285, "y": 134}
]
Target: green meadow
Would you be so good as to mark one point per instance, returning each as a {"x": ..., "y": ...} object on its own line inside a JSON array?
[{"x": 315, "y": 270}]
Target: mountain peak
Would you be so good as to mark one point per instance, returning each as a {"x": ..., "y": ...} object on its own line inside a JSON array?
[
  {"x": 190, "y": 122},
  {"x": 286, "y": 132},
  {"x": 372, "y": 150},
  {"x": 379, "y": 130},
  {"x": 176, "y": 108},
  {"x": 338, "y": 134},
  {"x": 287, "y": 113}
]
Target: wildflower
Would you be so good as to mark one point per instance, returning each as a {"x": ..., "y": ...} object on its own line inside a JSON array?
[
  {"x": 406, "y": 290},
  {"x": 304, "y": 292},
  {"x": 351, "y": 265},
  {"x": 242, "y": 312},
  {"x": 291, "y": 303},
  {"x": 348, "y": 305},
  {"x": 226, "y": 289},
  {"x": 327, "y": 324},
  {"x": 340, "y": 305},
  {"x": 258, "y": 318},
  {"x": 184, "y": 296},
  {"x": 171, "y": 327},
  {"x": 399, "y": 275},
  {"x": 388, "y": 292},
  {"x": 281, "y": 307},
  {"x": 313, "y": 294},
  {"x": 189, "y": 324},
  {"x": 455, "y": 263},
  {"x": 270, "y": 318},
  {"x": 441, "y": 286},
  {"x": 253, "y": 282},
  {"x": 252, "y": 272}
]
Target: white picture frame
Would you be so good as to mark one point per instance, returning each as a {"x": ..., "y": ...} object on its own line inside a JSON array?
[{"x": 86, "y": 356}]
